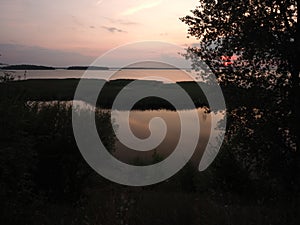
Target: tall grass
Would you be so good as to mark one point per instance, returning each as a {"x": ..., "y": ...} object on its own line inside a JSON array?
[{"x": 44, "y": 180}]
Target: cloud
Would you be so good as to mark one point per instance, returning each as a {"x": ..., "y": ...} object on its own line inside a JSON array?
[
  {"x": 119, "y": 21},
  {"x": 77, "y": 21},
  {"x": 113, "y": 29},
  {"x": 127, "y": 22},
  {"x": 141, "y": 7},
  {"x": 99, "y": 2}
]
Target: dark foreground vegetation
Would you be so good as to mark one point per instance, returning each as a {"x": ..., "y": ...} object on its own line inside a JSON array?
[{"x": 45, "y": 180}]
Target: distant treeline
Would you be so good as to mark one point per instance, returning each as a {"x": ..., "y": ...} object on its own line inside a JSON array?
[
  {"x": 27, "y": 67},
  {"x": 37, "y": 67}
]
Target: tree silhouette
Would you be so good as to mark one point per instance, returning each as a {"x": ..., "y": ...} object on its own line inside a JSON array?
[{"x": 254, "y": 45}]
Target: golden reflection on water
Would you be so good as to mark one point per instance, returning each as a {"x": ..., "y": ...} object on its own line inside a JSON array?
[{"x": 139, "y": 124}]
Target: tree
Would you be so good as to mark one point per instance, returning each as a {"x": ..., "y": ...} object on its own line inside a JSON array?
[{"x": 261, "y": 40}]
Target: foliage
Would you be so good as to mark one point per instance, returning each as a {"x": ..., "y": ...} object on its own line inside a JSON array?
[
  {"x": 255, "y": 30},
  {"x": 254, "y": 45},
  {"x": 40, "y": 162}
]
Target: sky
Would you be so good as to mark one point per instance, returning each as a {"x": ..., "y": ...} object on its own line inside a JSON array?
[{"x": 69, "y": 32}]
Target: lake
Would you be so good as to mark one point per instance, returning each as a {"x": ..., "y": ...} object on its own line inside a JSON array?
[
  {"x": 139, "y": 121},
  {"x": 139, "y": 124},
  {"x": 173, "y": 75}
]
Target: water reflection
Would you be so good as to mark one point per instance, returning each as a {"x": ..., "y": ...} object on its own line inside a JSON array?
[{"x": 139, "y": 124}]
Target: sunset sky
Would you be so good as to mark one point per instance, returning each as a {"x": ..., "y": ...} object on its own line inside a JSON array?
[{"x": 78, "y": 31}]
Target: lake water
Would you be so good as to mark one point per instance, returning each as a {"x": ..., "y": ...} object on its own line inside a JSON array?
[
  {"x": 173, "y": 75},
  {"x": 139, "y": 125}
]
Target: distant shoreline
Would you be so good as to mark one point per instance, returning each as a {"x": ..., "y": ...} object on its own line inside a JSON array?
[
  {"x": 64, "y": 90},
  {"x": 40, "y": 67},
  {"x": 27, "y": 67}
]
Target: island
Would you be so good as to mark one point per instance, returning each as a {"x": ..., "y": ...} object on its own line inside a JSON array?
[{"x": 27, "y": 67}]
